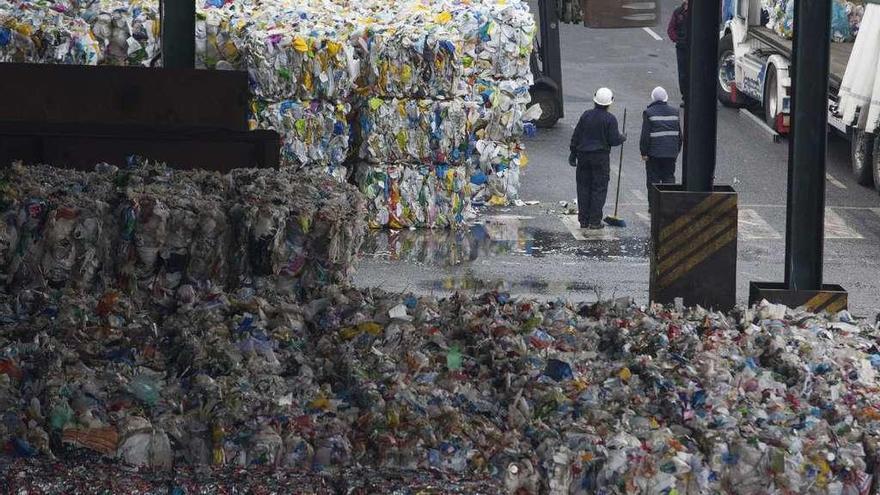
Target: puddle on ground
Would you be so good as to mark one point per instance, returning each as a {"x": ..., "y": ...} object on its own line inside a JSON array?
[
  {"x": 494, "y": 236},
  {"x": 531, "y": 285}
]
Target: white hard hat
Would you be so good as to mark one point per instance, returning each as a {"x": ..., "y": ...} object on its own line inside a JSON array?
[
  {"x": 659, "y": 94},
  {"x": 604, "y": 97}
]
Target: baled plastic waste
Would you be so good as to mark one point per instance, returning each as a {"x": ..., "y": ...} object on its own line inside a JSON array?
[{"x": 149, "y": 230}]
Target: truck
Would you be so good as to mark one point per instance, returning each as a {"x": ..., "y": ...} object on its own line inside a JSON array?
[
  {"x": 546, "y": 58},
  {"x": 754, "y": 71}
]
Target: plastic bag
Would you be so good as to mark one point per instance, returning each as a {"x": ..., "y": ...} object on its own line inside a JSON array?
[{"x": 841, "y": 29}]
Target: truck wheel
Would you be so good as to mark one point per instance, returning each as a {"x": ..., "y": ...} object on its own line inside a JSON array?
[
  {"x": 569, "y": 12},
  {"x": 771, "y": 98},
  {"x": 549, "y": 108},
  {"x": 726, "y": 72},
  {"x": 861, "y": 156},
  {"x": 875, "y": 161}
]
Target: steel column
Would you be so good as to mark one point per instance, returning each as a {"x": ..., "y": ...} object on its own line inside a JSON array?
[
  {"x": 179, "y": 33},
  {"x": 551, "y": 48},
  {"x": 701, "y": 112},
  {"x": 806, "y": 163}
]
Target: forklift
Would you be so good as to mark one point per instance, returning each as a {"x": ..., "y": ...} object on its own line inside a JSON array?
[{"x": 546, "y": 59}]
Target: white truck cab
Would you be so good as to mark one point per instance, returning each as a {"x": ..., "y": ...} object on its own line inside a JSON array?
[{"x": 753, "y": 71}]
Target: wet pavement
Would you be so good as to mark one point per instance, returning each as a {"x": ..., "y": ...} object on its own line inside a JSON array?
[{"x": 538, "y": 251}]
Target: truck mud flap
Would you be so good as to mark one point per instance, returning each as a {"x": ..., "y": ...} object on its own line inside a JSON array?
[{"x": 620, "y": 13}]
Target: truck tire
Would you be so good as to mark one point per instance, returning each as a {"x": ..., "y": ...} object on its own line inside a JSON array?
[
  {"x": 549, "y": 108},
  {"x": 875, "y": 164},
  {"x": 862, "y": 156},
  {"x": 569, "y": 12},
  {"x": 727, "y": 72},
  {"x": 771, "y": 98}
]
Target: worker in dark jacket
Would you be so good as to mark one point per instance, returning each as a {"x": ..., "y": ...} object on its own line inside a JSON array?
[
  {"x": 596, "y": 133},
  {"x": 660, "y": 143},
  {"x": 679, "y": 27}
]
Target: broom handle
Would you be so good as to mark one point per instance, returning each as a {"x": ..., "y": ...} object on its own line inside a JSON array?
[{"x": 620, "y": 167}]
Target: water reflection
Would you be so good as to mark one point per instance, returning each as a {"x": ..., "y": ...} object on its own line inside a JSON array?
[
  {"x": 450, "y": 247},
  {"x": 493, "y": 237},
  {"x": 533, "y": 285}
]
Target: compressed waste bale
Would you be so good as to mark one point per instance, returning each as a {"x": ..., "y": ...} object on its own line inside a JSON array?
[
  {"x": 313, "y": 133},
  {"x": 300, "y": 229},
  {"x": 174, "y": 229},
  {"x": 152, "y": 231},
  {"x": 498, "y": 38},
  {"x": 56, "y": 229},
  {"x": 427, "y": 131},
  {"x": 440, "y": 130},
  {"x": 113, "y": 32},
  {"x": 128, "y": 31},
  {"x": 305, "y": 62},
  {"x": 410, "y": 59},
  {"x": 37, "y": 33},
  {"x": 502, "y": 111},
  {"x": 496, "y": 172},
  {"x": 218, "y": 42},
  {"x": 414, "y": 195}
]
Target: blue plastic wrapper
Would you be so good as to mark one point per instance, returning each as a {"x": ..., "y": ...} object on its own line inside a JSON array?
[
  {"x": 558, "y": 370},
  {"x": 841, "y": 31}
]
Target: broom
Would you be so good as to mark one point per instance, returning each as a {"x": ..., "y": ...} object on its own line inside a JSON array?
[{"x": 614, "y": 220}]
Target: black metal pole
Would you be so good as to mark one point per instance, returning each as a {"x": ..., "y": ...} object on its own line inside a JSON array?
[
  {"x": 551, "y": 56},
  {"x": 805, "y": 234},
  {"x": 179, "y": 33},
  {"x": 701, "y": 114}
]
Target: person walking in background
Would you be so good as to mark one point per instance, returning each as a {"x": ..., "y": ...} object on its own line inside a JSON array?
[
  {"x": 678, "y": 32},
  {"x": 596, "y": 133},
  {"x": 660, "y": 141}
]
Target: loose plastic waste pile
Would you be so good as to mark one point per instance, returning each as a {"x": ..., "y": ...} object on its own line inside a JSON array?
[
  {"x": 846, "y": 18},
  {"x": 149, "y": 231},
  {"x": 371, "y": 87},
  {"x": 538, "y": 397}
]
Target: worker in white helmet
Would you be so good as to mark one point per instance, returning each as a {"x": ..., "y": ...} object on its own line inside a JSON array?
[{"x": 596, "y": 133}]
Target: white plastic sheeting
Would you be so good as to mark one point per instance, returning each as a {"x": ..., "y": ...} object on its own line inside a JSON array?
[{"x": 860, "y": 90}]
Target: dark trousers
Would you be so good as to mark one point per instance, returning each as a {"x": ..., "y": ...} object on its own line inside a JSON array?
[
  {"x": 659, "y": 171},
  {"x": 593, "y": 174},
  {"x": 681, "y": 52}
]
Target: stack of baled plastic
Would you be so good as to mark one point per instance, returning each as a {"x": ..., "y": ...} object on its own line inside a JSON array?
[
  {"x": 447, "y": 89},
  {"x": 432, "y": 87},
  {"x": 437, "y": 89},
  {"x": 149, "y": 231},
  {"x": 111, "y": 32},
  {"x": 302, "y": 72}
]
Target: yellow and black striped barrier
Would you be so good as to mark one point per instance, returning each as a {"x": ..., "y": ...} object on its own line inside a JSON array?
[
  {"x": 694, "y": 246},
  {"x": 831, "y": 299}
]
